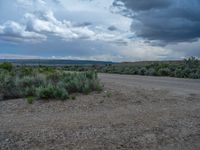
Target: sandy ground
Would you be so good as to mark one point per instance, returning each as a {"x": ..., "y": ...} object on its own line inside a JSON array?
[{"x": 133, "y": 112}]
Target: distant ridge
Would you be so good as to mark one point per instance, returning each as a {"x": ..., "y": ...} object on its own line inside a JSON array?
[{"x": 54, "y": 62}]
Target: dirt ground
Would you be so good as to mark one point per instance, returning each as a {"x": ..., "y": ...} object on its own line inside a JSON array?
[{"x": 133, "y": 112}]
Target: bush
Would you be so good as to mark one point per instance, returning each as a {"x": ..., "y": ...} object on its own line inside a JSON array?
[
  {"x": 164, "y": 72},
  {"x": 91, "y": 75},
  {"x": 86, "y": 88},
  {"x": 191, "y": 62},
  {"x": 7, "y": 86},
  {"x": 51, "y": 92},
  {"x": 73, "y": 97},
  {"x": 151, "y": 72},
  {"x": 178, "y": 73},
  {"x": 25, "y": 71},
  {"x": 186, "y": 72},
  {"x": 142, "y": 71},
  {"x": 7, "y": 66},
  {"x": 45, "y": 83},
  {"x": 61, "y": 93},
  {"x": 195, "y": 74},
  {"x": 181, "y": 69},
  {"x": 30, "y": 100},
  {"x": 28, "y": 84}
]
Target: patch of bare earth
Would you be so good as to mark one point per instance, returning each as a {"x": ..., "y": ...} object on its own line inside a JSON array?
[{"x": 134, "y": 113}]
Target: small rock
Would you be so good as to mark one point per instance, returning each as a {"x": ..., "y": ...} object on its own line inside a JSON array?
[{"x": 7, "y": 140}]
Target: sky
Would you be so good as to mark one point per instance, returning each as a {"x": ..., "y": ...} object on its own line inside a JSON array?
[{"x": 107, "y": 30}]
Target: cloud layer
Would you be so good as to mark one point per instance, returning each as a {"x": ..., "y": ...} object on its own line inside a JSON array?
[
  {"x": 41, "y": 22},
  {"x": 163, "y": 21},
  {"x": 14, "y": 32},
  {"x": 117, "y": 30}
]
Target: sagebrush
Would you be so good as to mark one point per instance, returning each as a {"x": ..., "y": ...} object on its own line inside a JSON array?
[
  {"x": 188, "y": 68},
  {"x": 44, "y": 82}
]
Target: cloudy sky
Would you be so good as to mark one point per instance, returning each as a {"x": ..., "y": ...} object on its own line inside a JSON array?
[{"x": 112, "y": 30}]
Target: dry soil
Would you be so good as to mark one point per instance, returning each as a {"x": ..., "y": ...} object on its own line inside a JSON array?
[{"x": 132, "y": 112}]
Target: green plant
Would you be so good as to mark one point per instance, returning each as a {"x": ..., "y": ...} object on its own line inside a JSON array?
[
  {"x": 96, "y": 85},
  {"x": 45, "y": 92},
  {"x": 61, "y": 93},
  {"x": 30, "y": 99},
  {"x": 8, "y": 88},
  {"x": 108, "y": 94},
  {"x": 164, "y": 71},
  {"x": 142, "y": 71},
  {"x": 191, "y": 62},
  {"x": 45, "y": 83},
  {"x": 73, "y": 97},
  {"x": 7, "y": 66},
  {"x": 52, "y": 92},
  {"x": 28, "y": 84},
  {"x": 86, "y": 88},
  {"x": 151, "y": 72}
]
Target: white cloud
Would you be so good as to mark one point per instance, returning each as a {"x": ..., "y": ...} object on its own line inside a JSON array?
[
  {"x": 95, "y": 57},
  {"x": 39, "y": 20},
  {"x": 14, "y": 32},
  {"x": 105, "y": 57},
  {"x": 14, "y": 56},
  {"x": 45, "y": 22},
  {"x": 38, "y": 25},
  {"x": 72, "y": 28},
  {"x": 140, "y": 50}
]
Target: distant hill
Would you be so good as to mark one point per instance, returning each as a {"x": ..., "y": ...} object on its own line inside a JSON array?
[
  {"x": 54, "y": 62},
  {"x": 144, "y": 63}
]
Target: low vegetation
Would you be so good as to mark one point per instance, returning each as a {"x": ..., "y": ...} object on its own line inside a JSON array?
[
  {"x": 188, "y": 68},
  {"x": 60, "y": 82},
  {"x": 40, "y": 82}
]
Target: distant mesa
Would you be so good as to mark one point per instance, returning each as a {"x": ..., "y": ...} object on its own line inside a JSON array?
[{"x": 54, "y": 62}]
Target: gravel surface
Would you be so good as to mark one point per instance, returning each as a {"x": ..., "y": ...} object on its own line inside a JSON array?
[{"x": 133, "y": 112}]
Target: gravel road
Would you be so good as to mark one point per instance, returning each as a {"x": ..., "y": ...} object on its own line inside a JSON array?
[{"x": 133, "y": 112}]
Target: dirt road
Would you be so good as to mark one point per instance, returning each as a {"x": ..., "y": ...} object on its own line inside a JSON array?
[{"x": 133, "y": 112}]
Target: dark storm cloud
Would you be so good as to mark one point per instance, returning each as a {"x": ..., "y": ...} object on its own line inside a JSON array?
[
  {"x": 138, "y": 5},
  {"x": 166, "y": 21}
]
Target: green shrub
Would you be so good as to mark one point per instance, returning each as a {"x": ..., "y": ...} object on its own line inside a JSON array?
[
  {"x": 73, "y": 97},
  {"x": 7, "y": 66},
  {"x": 178, "y": 73},
  {"x": 181, "y": 69},
  {"x": 142, "y": 71},
  {"x": 186, "y": 72},
  {"x": 61, "y": 93},
  {"x": 91, "y": 75},
  {"x": 86, "y": 88},
  {"x": 151, "y": 72},
  {"x": 164, "y": 71},
  {"x": 108, "y": 94},
  {"x": 35, "y": 82},
  {"x": 195, "y": 74},
  {"x": 26, "y": 71},
  {"x": 191, "y": 62},
  {"x": 54, "y": 78},
  {"x": 52, "y": 92},
  {"x": 45, "y": 92},
  {"x": 28, "y": 84},
  {"x": 30, "y": 100},
  {"x": 8, "y": 88}
]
